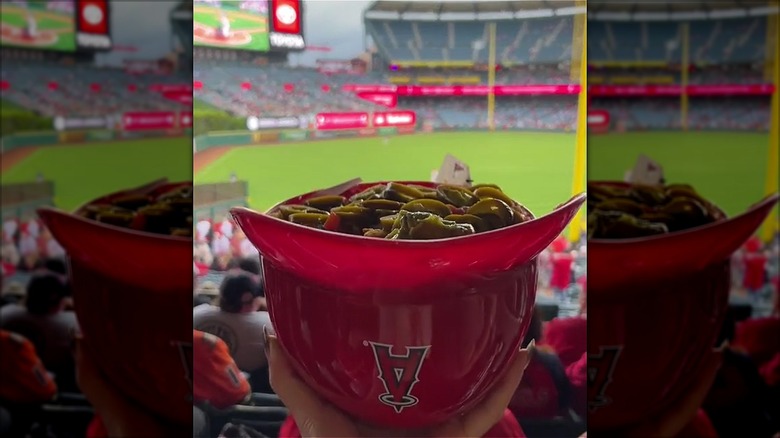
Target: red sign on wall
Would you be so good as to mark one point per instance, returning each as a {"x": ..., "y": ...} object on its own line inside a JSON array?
[
  {"x": 141, "y": 121},
  {"x": 394, "y": 118},
  {"x": 389, "y": 100},
  {"x": 327, "y": 121}
]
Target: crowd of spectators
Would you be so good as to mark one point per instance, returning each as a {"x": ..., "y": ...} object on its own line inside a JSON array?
[
  {"x": 51, "y": 88},
  {"x": 663, "y": 113}
]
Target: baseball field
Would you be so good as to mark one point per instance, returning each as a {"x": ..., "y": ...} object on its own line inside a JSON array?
[
  {"x": 534, "y": 168},
  {"x": 84, "y": 172},
  {"x": 248, "y": 30},
  {"x": 55, "y": 30},
  {"x": 728, "y": 168}
]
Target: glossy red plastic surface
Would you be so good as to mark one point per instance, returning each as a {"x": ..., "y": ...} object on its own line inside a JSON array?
[
  {"x": 661, "y": 301},
  {"x": 128, "y": 291},
  {"x": 333, "y": 297}
]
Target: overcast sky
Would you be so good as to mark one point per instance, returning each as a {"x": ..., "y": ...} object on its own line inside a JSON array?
[{"x": 145, "y": 25}]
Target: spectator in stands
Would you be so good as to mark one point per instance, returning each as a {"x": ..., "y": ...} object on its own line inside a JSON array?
[
  {"x": 217, "y": 380},
  {"x": 567, "y": 337},
  {"x": 44, "y": 321},
  {"x": 318, "y": 418},
  {"x": 9, "y": 253},
  {"x": 57, "y": 265},
  {"x": 25, "y": 379},
  {"x": 739, "y": 401},
  {"x": 220, "y": 249},
  {"x": 545, "y": 392},
  {"x": 25, "y": 383},
  {"x": 237, "y": 320},
  {"x": 207, "y": 293}
]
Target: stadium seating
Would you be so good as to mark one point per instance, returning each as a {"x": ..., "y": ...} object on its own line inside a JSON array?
[
  {"x": 268, "y": 97},
  {"x": 557, "y": 113},
  {"x": 735, "y": 40},
  {"x": 736, "y": 113},
  {"x": 536, "y": 40},
  {"x": 31, "y": 85}
]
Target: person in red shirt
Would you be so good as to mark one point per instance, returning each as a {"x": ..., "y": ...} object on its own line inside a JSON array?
[
  {"x": 568, "y": 337},
  {"x": 25, "y": 383},
  {"x": 545, "y": 391},
  {"x": 217, "y": 380},
  {"x": 25, "y": 380},
  {"x": 490, "y": 418}
]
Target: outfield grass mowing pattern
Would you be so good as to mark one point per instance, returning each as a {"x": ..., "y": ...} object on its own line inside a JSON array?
[{"x": 84, "y": 172}]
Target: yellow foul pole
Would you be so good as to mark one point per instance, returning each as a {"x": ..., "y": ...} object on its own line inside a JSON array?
[
  {"x": 685, "y": 66},
  {"x": 580, "y": 153},
  {"x": 491, "y": 77},
  {"x": 770, "y": 226}
]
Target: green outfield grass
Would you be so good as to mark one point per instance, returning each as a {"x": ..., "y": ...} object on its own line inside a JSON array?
[
  {"x": 727, "y": 167},
  {"x": 255, "y": 24},
  {"x": 46, "y": 20},
  {"x": 84, "y": 172},
  {"x": 534, "y": 168},
  {"x": 8, "y": 108}
]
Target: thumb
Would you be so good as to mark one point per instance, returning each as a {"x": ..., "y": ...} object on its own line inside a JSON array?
[{"x": 294, "y": 393}]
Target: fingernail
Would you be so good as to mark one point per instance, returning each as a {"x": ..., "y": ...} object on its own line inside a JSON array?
[
  {"x": 266, "y": 343},
  {"x": 531, "y": 351}
]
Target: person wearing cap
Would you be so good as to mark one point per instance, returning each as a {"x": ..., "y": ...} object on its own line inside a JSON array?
[
  {"x": 207, "y": 293},
  {"x": 45, "y": 322},
  {"x": 13, "y": 293},
  {"x": 236, "y": 320},
  {"x": 25, "y": 382}
]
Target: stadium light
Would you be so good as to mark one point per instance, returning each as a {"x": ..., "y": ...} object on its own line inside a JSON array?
[
  {"x": 573, "y": 10},
  {"x": 651, "y": 16},
  {"x": 538, "y": 13},
  {"x": 767, "y": 10},
  {"x": 728, "y": 13}
]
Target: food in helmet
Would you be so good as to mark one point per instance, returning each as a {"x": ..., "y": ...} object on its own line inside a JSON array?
[
  {"x": 623, "y": 212},
  {"x": 409, "y": 212},
  {"x": 168, "y": 213}
]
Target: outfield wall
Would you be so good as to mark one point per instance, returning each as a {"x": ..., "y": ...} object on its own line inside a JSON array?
[
  {"x": 54, "y": 138},
  {"x": 243, "y": 138}
]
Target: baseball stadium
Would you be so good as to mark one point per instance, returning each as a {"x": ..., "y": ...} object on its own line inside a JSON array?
[
  {"x": 74, "y": 129},
  {"x": 502, "y": 97},
  {"x": 697, "y": 96}
]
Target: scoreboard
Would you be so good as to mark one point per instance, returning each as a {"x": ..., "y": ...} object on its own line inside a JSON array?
[
  {"x": 56, "y": 25},
  {"x": 249, "y": 25}
]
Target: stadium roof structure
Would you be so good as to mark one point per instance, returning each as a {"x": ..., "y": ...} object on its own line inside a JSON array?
[
  {"x": 488, "y": 9},
  {"x": 628, "y": 10}
]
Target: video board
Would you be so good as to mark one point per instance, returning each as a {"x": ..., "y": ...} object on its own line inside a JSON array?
[
  {"x": 231, "y": 24},
  {"x": 40, "y": 24},
  {"x": 57, "y": 25}
]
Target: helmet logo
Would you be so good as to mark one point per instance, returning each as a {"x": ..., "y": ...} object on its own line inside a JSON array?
[
  {"x": 398, "y": 373},
  {"x": 601, "y": 366}
]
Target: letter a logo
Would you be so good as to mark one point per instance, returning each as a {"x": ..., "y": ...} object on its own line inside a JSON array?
[
  {"x": 399, "y": 374},
  {"x": 601, "y": 366}
]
